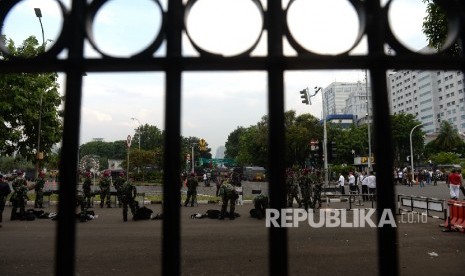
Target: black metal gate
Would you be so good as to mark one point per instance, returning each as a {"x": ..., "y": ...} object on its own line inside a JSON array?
[{"x": 373, "y": 24}]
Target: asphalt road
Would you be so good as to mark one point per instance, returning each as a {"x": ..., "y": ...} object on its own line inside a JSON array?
[{"x": 109, "y": 246}]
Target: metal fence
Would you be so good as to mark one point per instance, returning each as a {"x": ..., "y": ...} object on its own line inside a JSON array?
[{"x": 373, "y": 18}]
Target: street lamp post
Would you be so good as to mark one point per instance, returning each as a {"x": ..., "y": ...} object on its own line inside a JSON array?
[
  {"x": 39, "y": 15},
  {"x": 193, "y": 160},
  {"x": 38, "y": 153},
  {"x": 368, "y": 121},
  {"x": 139, "y": 132},
  {"x": 325, "y": 136},
  {"x": 411, "y": 151}
]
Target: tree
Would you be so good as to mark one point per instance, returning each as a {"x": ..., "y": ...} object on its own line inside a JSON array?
[
  {"x": 151, "y": 137},
  {"x": 448, "y": 140},
  {"x": 435, "y": 27},
  {"x": 26, "y": 99},
  {"x": 232, "y": 143},
  {"x": 401, "y": 125},
  {"x": 253, "y": 146},
  {"x": 445, "y": 158}
]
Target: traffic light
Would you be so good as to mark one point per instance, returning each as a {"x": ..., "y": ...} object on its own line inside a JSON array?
[
  {"x": 202, "y": 145},
  {"x": 304, "y": 96}
]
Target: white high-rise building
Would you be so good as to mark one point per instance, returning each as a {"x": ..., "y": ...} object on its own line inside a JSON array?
[
  {"x": 348, "y": 98},
  {"x": 431, "y": 96}
]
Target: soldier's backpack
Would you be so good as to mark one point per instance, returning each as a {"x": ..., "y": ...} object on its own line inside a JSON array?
[
  {"x": 143, "y": 213},
  {"x": 213, "y": 214},
  {"x": 255, "y": 213},
  {"x": 29, "y": 215}
]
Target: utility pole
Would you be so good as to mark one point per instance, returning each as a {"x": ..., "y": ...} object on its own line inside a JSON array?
[
  {"x": 368, "y": 121},
  {"x": 325, "y": 136},
  {"x": 39, "y": 155}
]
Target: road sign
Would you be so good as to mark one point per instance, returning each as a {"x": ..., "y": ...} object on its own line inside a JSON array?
[{"x": 128, "y": 141}]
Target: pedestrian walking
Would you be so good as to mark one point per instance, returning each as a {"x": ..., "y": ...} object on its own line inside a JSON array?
[
  {"x": 340, "y": 184},
  {"x": 455, "y": 182}
]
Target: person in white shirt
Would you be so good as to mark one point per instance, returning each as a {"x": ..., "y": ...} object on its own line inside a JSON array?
[
  {"x": 364, "y": 181},
  {"x": 351, "y": 181},
  {"x": 372, "y": 184},
  {"x": 340, "y": 183}
]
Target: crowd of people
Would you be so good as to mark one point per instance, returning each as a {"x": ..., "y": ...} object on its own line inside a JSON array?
[{"x": 304, "y": 186}]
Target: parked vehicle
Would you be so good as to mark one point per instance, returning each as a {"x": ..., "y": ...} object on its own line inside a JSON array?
[{"x": 254, "y": 173}]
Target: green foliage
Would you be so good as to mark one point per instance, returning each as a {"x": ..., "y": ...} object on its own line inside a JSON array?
[
  {"x": 445, "y": 158},
  {"x": 341, "y": 169},
  {"x": 448, "y": 140},
  {"x": 435, "y": 27},
  {"x": 232, "y": 143},
  {"x": 401, "y": 126},
  {"x": 107, "y": 150},
  {"x": 26, "y": 99}
]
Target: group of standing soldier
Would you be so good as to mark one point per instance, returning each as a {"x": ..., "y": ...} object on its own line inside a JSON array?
[
  {"x": 125, "y": 192},
  {"x": 309, "y": 182}
]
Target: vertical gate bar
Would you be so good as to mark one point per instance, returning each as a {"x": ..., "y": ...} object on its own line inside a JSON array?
[
  {"x": 171, "y": 176},
  {"x": 66, "y": 228},
  {"x": 278, "y": 257},
  {"x": 387, "y": 235}
]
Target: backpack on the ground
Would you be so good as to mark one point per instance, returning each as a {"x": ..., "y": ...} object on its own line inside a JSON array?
[
  {"x": 143, "y": 213},
  {"x": 213, "y": 214}
]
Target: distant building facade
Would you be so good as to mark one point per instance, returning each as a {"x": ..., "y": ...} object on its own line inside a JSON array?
[
  {"x": 349, "y": 98},
  {"x": 431, "y": 96}
]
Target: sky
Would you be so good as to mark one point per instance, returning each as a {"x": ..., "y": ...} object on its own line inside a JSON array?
[{"x": 213, "y": 103}]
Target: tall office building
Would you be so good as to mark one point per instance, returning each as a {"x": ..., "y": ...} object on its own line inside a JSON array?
[
  {"x": 431, "y": 96},
  {"x": 348, "y": 98}
]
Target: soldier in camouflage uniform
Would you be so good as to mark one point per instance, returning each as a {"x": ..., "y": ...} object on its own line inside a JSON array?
[
  {"x": 80, "y": 201},
  {"x": 128, "y": 195},
  {"x": 260, "y": 203},
  {"x": 118, "y": 183},
  {"x": 105, "y": 189},
  {"x": 317, "y": 188},
  {"x": 19, "y": 197},
  {"x": 4, "y": 192},
  {"x": 39, "y": 189},
  {"x": 292, "y": 184},
  {"x": 228, "y": 194},
  {"x": 86, "y": 188},
  {"x": 191, "y": 190},
  {"x": 305, "y": 184}
]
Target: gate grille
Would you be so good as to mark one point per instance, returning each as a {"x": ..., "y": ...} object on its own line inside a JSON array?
[{"x": 374, "y": 25}]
